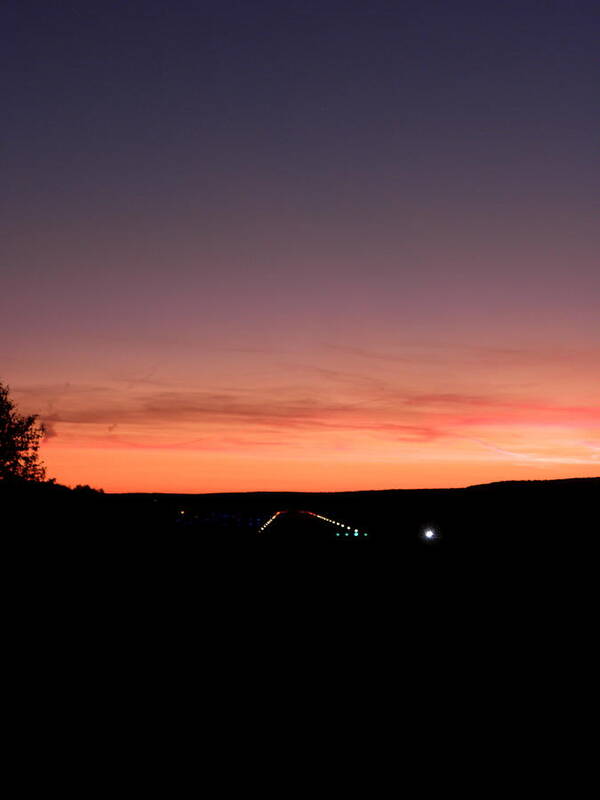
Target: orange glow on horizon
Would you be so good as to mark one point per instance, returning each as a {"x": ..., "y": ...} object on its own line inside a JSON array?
[
  {"x": 132, "y": 471},
  {"x": 330, "y": 420}
]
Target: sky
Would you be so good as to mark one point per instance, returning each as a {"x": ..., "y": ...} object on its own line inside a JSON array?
[{"x": 279, "y": 245}]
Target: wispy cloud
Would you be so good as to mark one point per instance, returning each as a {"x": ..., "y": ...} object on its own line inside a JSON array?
[
  {"x": 326, "y": 410},
  {"x": 289, "y": 405},
  {"x": 540, "y": 458}
]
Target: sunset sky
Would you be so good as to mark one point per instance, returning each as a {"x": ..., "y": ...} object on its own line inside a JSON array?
[{"x": 318, "y": 245}]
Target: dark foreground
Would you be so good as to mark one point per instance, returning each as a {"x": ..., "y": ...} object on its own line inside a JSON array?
[
  {"x": 501, "y": 523},
  {"x": 182, "y": 570}
]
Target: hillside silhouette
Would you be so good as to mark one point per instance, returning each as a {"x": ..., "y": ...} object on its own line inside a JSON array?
[
  {"x": 137, "y": 560},
  {"x": 488, "y": 520}
]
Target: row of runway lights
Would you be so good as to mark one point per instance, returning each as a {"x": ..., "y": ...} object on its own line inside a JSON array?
[
  {"x": 269, "y": 521},
  {"x": 428, "y": 535},
  {"x": 347, "y": 528},
  {"x": 319, "y": 516}
]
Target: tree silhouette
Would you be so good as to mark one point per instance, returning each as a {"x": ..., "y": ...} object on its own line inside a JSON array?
[{"x": 20, "y": 438}]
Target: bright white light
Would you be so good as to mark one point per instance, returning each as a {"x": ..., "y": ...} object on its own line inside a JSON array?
[{"x": 429, "y": 534}]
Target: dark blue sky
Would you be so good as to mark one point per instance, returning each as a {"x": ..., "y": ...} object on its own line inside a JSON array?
[
  {"x": 229, "y": 133},
  {"x": 107, "y": 93}
]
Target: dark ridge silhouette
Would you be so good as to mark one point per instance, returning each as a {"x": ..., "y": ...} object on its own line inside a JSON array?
[
  {"x": 183, "y": 560},
  {"x": 495, "y": 517}
]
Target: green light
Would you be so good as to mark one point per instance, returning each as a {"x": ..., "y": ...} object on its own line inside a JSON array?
[{"x": 356, "y": 533}]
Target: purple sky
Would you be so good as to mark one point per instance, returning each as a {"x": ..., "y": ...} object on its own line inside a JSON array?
[{"x": 374, "y": 216}]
